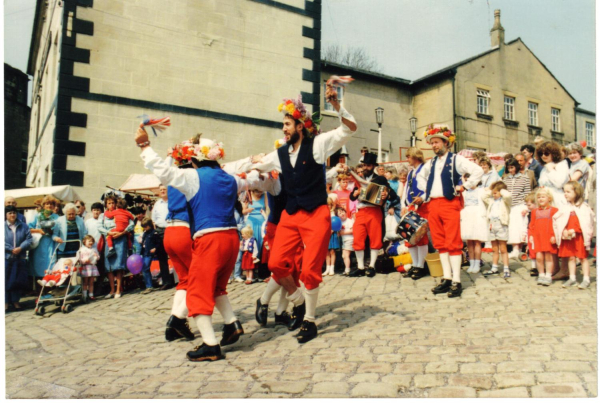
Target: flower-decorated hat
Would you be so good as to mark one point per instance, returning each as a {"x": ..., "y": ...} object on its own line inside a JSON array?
[
  {"x": 296, "y": 109},
  {"x": 441, "y": 132},
  {"x": 200, "y": 149}
]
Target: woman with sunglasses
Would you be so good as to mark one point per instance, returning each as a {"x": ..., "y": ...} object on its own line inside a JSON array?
[{"x": 555, "y": 171}]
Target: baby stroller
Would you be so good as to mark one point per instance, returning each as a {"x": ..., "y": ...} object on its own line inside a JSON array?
[{"x": 65, "y": 281}]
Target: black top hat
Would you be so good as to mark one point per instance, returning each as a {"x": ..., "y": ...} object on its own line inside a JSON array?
[{"x": 370, "y": 159}]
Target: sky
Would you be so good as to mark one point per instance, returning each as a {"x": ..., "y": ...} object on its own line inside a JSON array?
[{"x": 412, "y": 38}]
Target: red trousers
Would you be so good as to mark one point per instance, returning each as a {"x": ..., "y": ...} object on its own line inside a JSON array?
[
  {"x": 303, "y": 229},
  {"x": 444, "y": 223},
  {"x": 268, "y": 240},
  {"x": 368, "y": 222},
  {"x": 213, "y": 260},
  {"x": 178, "y": 245}
]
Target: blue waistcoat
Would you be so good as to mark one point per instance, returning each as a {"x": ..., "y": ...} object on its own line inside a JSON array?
[
  {"x": 250, "y": 245},
  {"x": 413, "y": 189},
  {"x": 213, "y": 205},
  {"x": 178, "y": 206},
  {"x": 450, "y": 177}
]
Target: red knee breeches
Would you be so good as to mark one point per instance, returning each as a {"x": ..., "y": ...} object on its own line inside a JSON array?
[
  {"x": 368, "y": 222},
  {"x": 444, "y": 223},
  {"x": 178, "y": 245}
]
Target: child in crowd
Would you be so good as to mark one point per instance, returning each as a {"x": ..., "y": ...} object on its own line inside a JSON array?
[
  {"x": 88, "y": 257},
  {"x": 498, "y": 201},
  {"x": 121, "y": 218},
  {"x": 347, "y": 237},
  {"x": 541, "y": 235},
  {"x": 148, "y": 252},
  {"x": 530, "y": 203},
  {"x": 334, "y": 241},
  {"x": 474, "y": 228},
  {"x": 573, "y": 229},
  {"x": 58, "y": 275},
  {"x": 249, "y": 248}
]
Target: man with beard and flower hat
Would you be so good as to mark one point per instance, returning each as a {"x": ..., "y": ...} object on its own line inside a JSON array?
[{"x": 440, "y": 177}]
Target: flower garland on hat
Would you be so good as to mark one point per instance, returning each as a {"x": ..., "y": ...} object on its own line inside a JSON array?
[
  {"x": 183, "y": 152},
  {"x": 296, "y": 109},
  {"x": 440, "y": 132}
]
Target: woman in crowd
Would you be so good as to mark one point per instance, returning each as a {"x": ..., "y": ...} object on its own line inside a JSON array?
[
  {"x": 555, "y": 171},
  {"x": 391, "y": 174},
  {"x": 42, "y": 256},
  {"x": 489, "y": 174},
  {"x": 580, "y": 169},
  {"x": 255, "y": 212},
  {"x": 17, "y": 240},
  {"x": 519, "y": 186},
  {"x": 502, "y": 170},
  {"x": 67, "y": 229}
]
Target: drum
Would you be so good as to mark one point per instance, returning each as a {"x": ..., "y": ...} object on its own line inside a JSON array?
[
  {"x": 412, "y": 227},
  {"x": 372, "y": 194}
]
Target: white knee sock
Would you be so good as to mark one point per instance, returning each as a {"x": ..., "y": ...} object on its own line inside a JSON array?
[
  {"x": 311, "y": 304},
  {"x": 477, "y": 266},
  {"x": 445, "y": 261},
  {"x": 374, "y": 254},
  {"x": 455, "y": 262},
  {"x": 283, "y": 302},
  {"x": 533, "y": 264},
  {"x": 225, "y": 309},
  {"x": 360, "y": 259},
  {"x": 272, "y": 288},
  {"x": 414, "y": 255},
  {"x": 179, "y": 308},
  {"x": 204, "y": 323},
  {"x": 422, "y": 254},
  {"x": 297, "y": 298}
]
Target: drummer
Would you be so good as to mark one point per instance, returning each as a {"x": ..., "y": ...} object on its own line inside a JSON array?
[
  {"x": 412, "y": 200},
  {"x": 369, "y": 218}
]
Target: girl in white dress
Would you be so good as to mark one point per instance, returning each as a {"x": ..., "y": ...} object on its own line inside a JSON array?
[{"x": 473, "y": 225}]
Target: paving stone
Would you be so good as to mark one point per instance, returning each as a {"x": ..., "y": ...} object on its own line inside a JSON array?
[
  {"x": 280, "y": 387},
  {"x": 452, "y": 392},
  {"x": 509, "y": 380},
  {"x": 375, "y": 367},
  {"x": 473, "y": 381},
  {"x": 558, "y": 377},
  {"x": 331, "y": 388},
  {"x": 375, "y": 390},
  {"x": 567, "y": 366},
  {"x": 558, "y": 390},
  {"x": 364, "y": 378},
  {"x": 519, "y": 366},
  {"x": 441, "y": 367},
  {"x": 478, "y": 368},
  {"x": 224, "y": 387},
  {"x": 428, "y": 381},
  {"x": 504, "y": 393}
]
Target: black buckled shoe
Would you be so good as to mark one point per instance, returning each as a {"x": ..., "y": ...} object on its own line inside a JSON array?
[
  {"x": 262, "y": 313},
  {"x": 418, "y": 273},
  {"x": 534, "y": 272},
  {"x": 308, "y": 331},
  {"x": 204, "y": 352},
  {"x": 409, "y": 272},
  {"x": 171, "y": 334},
  {"x": 283, "y": 319},
  {"x": 370, "y": 271},
  {"x": 297, "y": 317},
  {"x": 357, "y": 273},
  {"x": 442, "y": 287},
  {"x": 455, "y": 290},
  {"x": 180, "y": 326},
  {"x": 232, "y": 333}
]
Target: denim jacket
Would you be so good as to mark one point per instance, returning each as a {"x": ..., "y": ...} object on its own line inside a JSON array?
[{"x": 23, "y": 240}]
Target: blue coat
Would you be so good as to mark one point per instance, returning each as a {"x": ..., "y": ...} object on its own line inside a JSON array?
[
  {"x": 24, "y": 240},
  {"x": 60, "y": 230}
]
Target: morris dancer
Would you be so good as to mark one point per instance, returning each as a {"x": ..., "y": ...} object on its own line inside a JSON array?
[
  {"x": 369, "y": 218},
  {"x": 306, "y": 219},
  {"x": 440, "y": 177},
  {"x": 211, "y": 194}
]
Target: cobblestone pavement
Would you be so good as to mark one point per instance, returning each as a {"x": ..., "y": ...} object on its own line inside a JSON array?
[{"x": 380, "y": 337}]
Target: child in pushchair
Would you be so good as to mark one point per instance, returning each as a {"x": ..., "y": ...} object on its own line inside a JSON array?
[{"x": 59, "y": 273}]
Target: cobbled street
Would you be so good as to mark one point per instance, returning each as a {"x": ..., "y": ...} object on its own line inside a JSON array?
[{"x": 380, "y": 337}]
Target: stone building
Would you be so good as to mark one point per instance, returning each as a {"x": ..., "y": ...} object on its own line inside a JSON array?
[
  {"x": 586, "y": 127},
  {"x": 16, "y": 127}
]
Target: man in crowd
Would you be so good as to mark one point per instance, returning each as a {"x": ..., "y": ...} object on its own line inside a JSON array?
[
  {"x": 526, "y": 171},
  {"x": 159, "y": 216},
  {"x": 531, "y": 163},
  {"x": 81, "y": 212},
  {"x": 10, "y": 201}
]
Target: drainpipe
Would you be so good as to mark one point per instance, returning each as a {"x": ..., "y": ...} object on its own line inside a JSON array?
[{"x": 454, "y": 107}]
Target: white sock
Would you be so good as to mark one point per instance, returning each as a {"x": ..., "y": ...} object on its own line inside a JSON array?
[
  {"x": 297, "y": 298},
  {"x": 374, "y": 253},
  {"x": 179, "y": 309},
  {"x": 414, "y": 255},
  {"x": 224, "y": 306},
  {"x": 272, "y": 288},
  {"x": 311, "y": 304},
  {"x": 204, "y": 323},
  {"x": 477, "y": 265},
  {"x": 533, "y": 264},
  {"x": 360, "y": 259},
  {"x": 573, "y": 277},
  {"x": 421, "y": 256},
  {"x": 445, "y": 261},
  {"x": 506, "y": 268},
  {"x": 471, "y": 265},
  {"x": 91, "y": 294},
  {"x": 85, "y": 293},
  {"x": 587, "y": 278},
  {"x": 495, "y": 266},
  {"x": 549, "y": 275},
  {"x": 455, "y": 262},
  {"x": 283, "y": 302}
]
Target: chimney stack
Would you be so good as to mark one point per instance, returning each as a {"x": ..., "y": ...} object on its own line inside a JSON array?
[{"x": 497, "y": 32}]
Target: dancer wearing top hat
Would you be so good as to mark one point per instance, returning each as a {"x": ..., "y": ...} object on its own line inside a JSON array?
[
  {"x": 440, "y": 177},
  {"x": 369, "y": 218}
]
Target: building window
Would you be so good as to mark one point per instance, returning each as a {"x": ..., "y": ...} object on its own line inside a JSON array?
[
  {"x": 589, "y": 134},
  {"x": 533, "y": 114},
  {"x": 327, "y": 106},
  {"x": 509, "y": 108},
  {"x": 483, "y": 102},
  {"x": 385, "y": 155},
  {"x": 555, "y": 120}
]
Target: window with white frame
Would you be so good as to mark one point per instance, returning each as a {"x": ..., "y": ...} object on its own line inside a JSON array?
[
  {"x": 385, "y": 155},
  {"x": 327, "y": 106},
  {"x": 509, "y": 108},
  {"x": 483, "y": 102},
  {"x": 555, "y": 120},
  {"x": 590, "y": 138},
  {"x": 533, "y": 113}
]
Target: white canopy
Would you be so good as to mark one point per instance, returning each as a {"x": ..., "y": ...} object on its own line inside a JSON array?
[
  {"x": 140, "y": 182},
  {"x": 25, "y": 197}
]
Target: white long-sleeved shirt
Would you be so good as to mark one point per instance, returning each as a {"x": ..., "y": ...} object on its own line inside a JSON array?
[
  {"x": 325, "y": 145},
  {"x": 554, "y": 177},
  {"x": 331, "y": 175},
  {"x": 187, "y": 181},
  {"x": 160, "y": 212},
  {"x": 463, "y": 166}
]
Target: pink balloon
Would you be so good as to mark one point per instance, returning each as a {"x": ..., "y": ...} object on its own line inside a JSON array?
[{"x": 135, "y": 264}]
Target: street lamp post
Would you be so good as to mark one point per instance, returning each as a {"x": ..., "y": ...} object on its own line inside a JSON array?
[
  {"x": 379, "y": 119},
  {"x": 413, "y": 129}
]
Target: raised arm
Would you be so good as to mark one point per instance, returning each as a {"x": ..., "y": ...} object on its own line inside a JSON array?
[{"x": 464, "y": 166}]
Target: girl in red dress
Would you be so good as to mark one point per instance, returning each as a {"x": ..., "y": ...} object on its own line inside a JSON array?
[
  {"x": 249, "y": 248},
  {"x": 541, "y": 236},
  {"x": 574, "y": 228}
]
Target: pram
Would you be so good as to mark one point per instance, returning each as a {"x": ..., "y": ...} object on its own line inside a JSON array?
[{"x": 66, "y": 285}]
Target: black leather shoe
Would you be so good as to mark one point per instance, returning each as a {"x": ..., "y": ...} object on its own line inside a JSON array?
[
  {"x": 171, "y": 334},
  {"x": 455, "y": 290},
  {"x": 181, "y": 326},
  {"x": 204, "y": 352},
  {"x": 370, "y": 272},
  {"x": 418, "y": 273},
  {"x": 442, "y": 287},
  {"x": 232, "y": 333},
  {"x": 262, "y": 313},
  {"x": 297, "y": 316},
  {"x": 283, "y": 319},
  {"x": 357, "y": 273},
  {"x": 308, "y": 331},
  {"x": 410, "y": 271}
]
